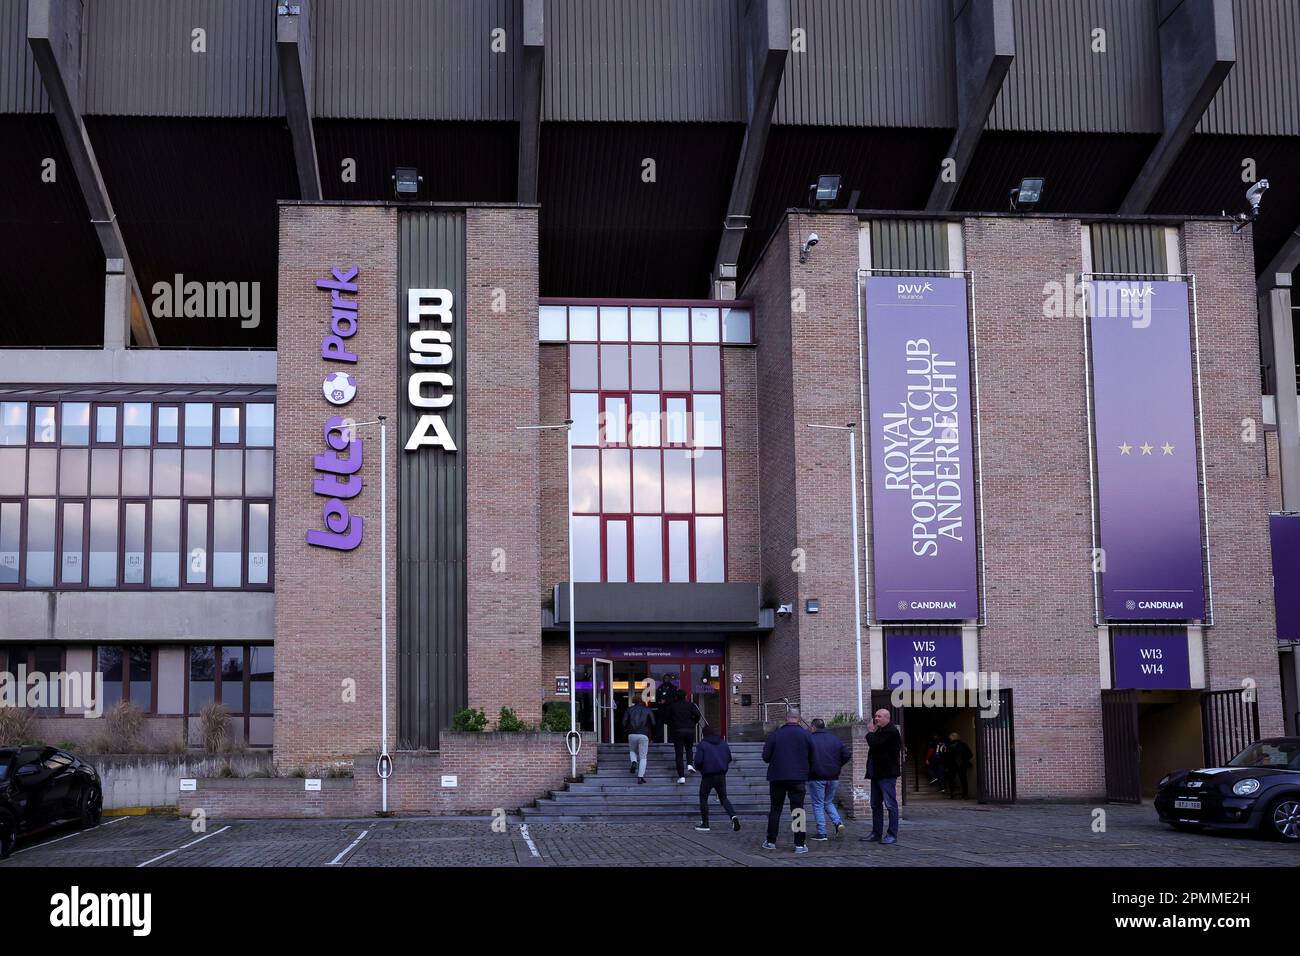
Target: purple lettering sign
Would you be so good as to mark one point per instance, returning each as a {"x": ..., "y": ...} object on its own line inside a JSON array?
[
  {"x": 920, "y": 661},
  {"x": 1143, "y": 415},
  {"x": 922, "y": 476},
  {"x": 1284, "y": 532},
  {"x": 1149, "y": 659}
]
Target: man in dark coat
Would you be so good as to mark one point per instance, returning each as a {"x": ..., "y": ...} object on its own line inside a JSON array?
[
  {"x": 682, "y": 716},
  {"x": 639, "y": 722},
  {"x": 712, "y": 760},
  {"x": 830, "y": 756},
  {"x": 789, "y": 755},
  {"x": 957, "y": 761},
  {"x": 884, "y": 764}
]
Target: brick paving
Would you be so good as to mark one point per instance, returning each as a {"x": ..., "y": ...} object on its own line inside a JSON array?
[{"x": 963, "y": 836}]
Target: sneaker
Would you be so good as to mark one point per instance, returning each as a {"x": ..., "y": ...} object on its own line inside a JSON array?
[
  {"x": 690, "y": 769},
  {"x": 640, "y": 779},
  {"x": 820, "y": 837},
  {"x": 874, "y": 838},
  {"x": 735, "y": 824},
  {"x": 889, "y": 839},
  {"x": 800, "y": 849},
  {"x": 767, "y": 845},
  {"x": 632, "y": 768},
  {"x": 839, "y": 829},
  {"x": 681, "y": 779},
  {"x": 702, "y": 828}
]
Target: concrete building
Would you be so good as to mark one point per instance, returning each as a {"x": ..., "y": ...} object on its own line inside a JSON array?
[{"x": 221, "y": 294}]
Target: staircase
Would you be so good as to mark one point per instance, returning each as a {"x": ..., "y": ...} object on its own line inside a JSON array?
[{"x": 611, "y": 794}]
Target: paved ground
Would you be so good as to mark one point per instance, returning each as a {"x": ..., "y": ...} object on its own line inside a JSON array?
[{"x": 934, "y": 835}]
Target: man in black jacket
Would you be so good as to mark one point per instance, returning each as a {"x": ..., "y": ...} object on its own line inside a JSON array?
[
  {"x": 957, "y": 765},
  {"x": 788, "y": 754},
  {"x": 682, "y": 716},
  {"x": 639, "y": 722},
  {"x": 713, "y": 759},
  {"x": 884, "y": 763}
]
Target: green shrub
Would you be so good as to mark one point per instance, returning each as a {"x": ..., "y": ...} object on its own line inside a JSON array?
[
  {"x": 555, "y": 717},
  {"x": 509, "y": 722},
  {"x": 214, "y": 727},
  {"x": 471, "y": 719},
  {"x": 841, "y": 719}
]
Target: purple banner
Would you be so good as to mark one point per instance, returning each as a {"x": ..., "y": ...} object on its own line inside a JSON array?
[
  {"x": 922, "y": 476},
  {"x": 1151, "y": 660},
  {"x": 919, "y": 661},
  {"x": 1147, "y": 490},
  {"x": 1284, "y": 532}
]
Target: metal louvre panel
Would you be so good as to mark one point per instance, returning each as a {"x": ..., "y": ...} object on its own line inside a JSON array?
[
  {"x": 138, "y": 58},
  {"x": 21, "y": 90},
  {"x": 909, "y": 244},
  {"x": 877, "y": 63},
  {"x": 415, "y": 59},
  {"x": 1057, "y": 83},
  {"x": 1229, "y": 724},
  {"x": 635, "y": 61},
  {"x": 1120, "y": 746},
  {"x": 1261, "y": 95},
  {"x": 1128, "y": 248},
  {"x": 432, "y": 671}
]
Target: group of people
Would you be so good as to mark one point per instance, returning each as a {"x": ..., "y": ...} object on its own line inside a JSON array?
[
  {"x": 801, "y": 764},
  {"x": 949, "y": 762}
]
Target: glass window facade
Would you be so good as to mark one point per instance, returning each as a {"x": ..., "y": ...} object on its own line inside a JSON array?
[{"x": 155, "y": 494}]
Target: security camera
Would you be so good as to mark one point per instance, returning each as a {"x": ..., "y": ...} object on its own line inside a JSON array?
[
  {"x": 784, "y": 610},
  {"x": 808, "y": 243},
  {"x": 1253, "y": 196}
]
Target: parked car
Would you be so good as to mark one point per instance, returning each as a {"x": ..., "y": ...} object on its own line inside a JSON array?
[
  {"x": 1259, "y": 789},
  {"x": 42, "y": 787}
]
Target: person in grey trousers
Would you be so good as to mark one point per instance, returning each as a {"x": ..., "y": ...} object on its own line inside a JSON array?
[{"x": 639, "y": 722}]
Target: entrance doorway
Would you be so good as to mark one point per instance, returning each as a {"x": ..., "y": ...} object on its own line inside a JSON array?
[
  {"x": 928, "y": 736},
  {"x": 1146, "y": 734},
  {"x": 615, "y": 673}
]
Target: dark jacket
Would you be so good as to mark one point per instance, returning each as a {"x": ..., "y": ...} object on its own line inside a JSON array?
[
  {"x": 639, "y": 719},
  {"x": 788, "y": 753},
  {"x": 712, "y": 755},
  {"x": 884, "y": 752},
  {"x": 958, "y": 756},
  {"x": 829, "y": 755},
  {"x": 681, "y": 716}
]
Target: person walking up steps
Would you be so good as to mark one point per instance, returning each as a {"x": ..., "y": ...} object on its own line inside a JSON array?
[
  {"x": 713, "y": 759},
  {"x": 788, "y": 754},
  {"x": 639, "y": 722},
  {"x": 682, "y": 716}
]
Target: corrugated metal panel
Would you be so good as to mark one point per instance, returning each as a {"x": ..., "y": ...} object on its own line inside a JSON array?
[
  {"x": 909, "y": 244},
  {"x": 870, "y": 63},
  {"x": 1128, "y": 248},
  {"x": 1057, "y": 82},
  {"x": 1261, "y": 95},
  {"x": 140, "y": 58},
  {"x": 636, "y": 61},
  {"x": 431, "y": 640},
  {"x": 21, "y": 90},
  {"x": 415, "y": 59}
]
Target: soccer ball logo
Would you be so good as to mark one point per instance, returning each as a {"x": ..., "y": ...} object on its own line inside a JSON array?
[
  {"x": 1130, "y": 605},
  {"x": 339, "y": 388}
]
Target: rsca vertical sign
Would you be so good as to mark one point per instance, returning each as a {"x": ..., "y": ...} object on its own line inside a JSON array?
[
  {"x": 430, "y": 387},
  {"x": 339, "y": 478}
]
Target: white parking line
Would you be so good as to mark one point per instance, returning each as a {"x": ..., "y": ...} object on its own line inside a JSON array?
[
  {"x": 68, "y": 836},
  {"x": 523, "y": 832},
  {"x": 185, "y": 847},
  {"x": 351, "y": 846}
]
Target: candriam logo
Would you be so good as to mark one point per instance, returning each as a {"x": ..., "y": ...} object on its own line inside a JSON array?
[
  {"x": 914, "y": 290},
  {"x": 1160, "y": 605}
]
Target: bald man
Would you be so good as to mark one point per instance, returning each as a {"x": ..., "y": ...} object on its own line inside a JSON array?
[{"x": 884, "y": 763}]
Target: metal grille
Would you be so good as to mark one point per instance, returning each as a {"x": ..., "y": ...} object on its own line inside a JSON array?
[
  {"x": 1119, "y": 715},
  {"x": 995, "y": 752},
  {"x": 1229, "y": 724}
]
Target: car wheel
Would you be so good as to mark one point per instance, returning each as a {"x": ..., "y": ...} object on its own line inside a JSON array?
[
  {"x": 1282, "y": 819},
  {"x": 8, "y": 834},
  {"x": 90, "y": 807}
]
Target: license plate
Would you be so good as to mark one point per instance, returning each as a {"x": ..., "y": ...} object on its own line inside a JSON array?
[{"x": 1187, "y": 804}]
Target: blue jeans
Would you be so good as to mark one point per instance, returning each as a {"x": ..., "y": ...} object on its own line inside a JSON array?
[
  {"x": 822, "y": 793},
  {"x": 884, "y": 791}
]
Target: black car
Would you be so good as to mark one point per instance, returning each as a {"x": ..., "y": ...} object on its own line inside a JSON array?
[
  {"x": 44, "y": 786},
  {"x": 1259, "y": 789}
]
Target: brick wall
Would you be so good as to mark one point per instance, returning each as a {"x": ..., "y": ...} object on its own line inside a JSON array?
[
  {"x": 500, "y": 382},
  {"x": 327, "y": 602},
  {"x": 1243, "y": 644},
  {"x": 493, "y": 771},
  {"x": 742, "y": 659}
]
